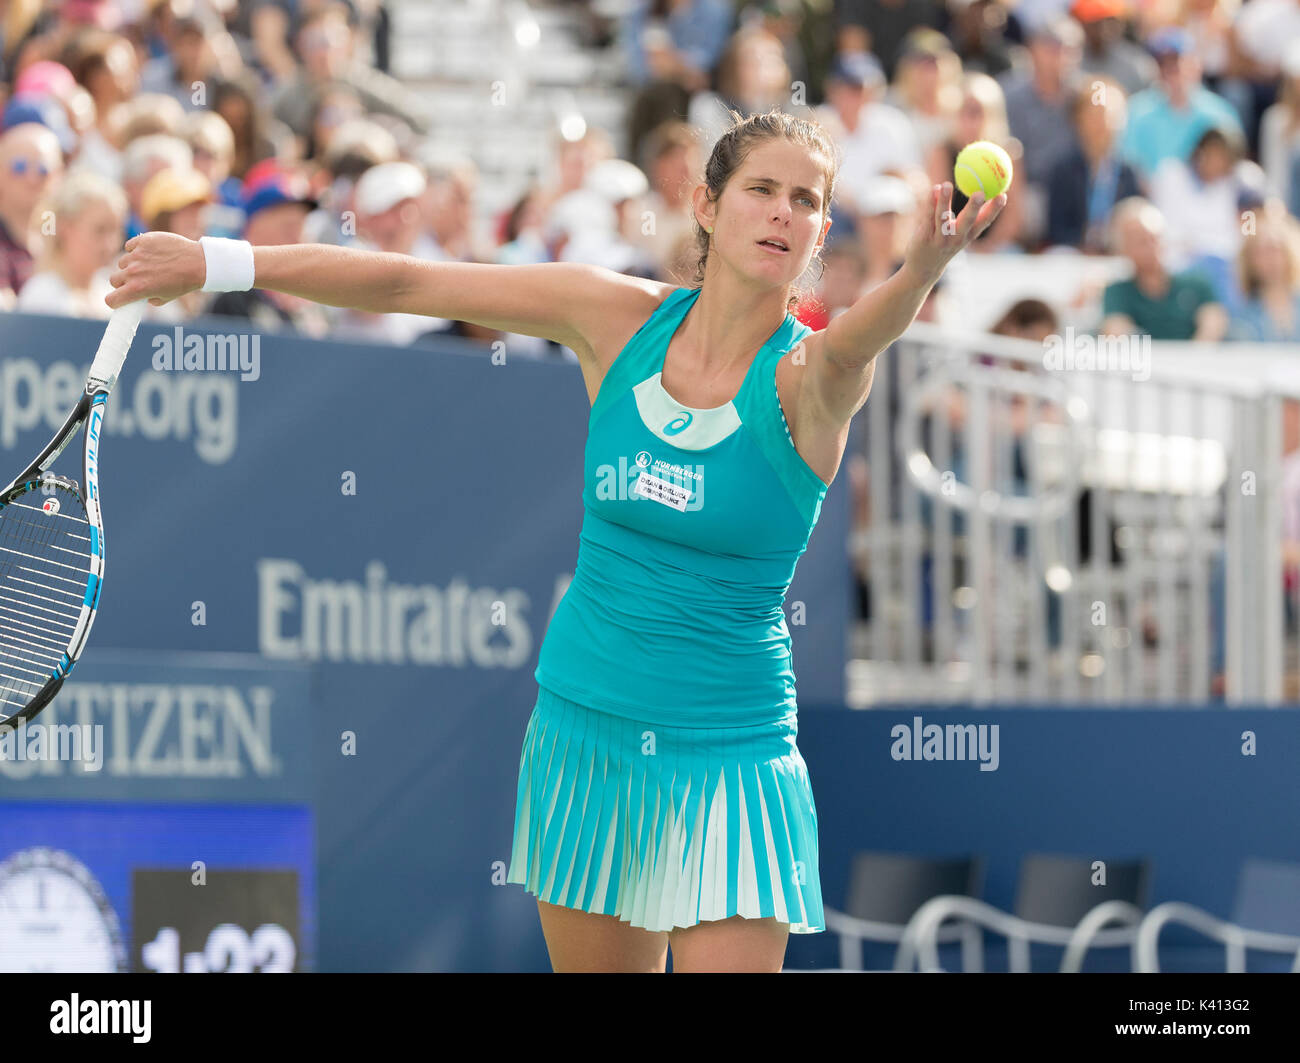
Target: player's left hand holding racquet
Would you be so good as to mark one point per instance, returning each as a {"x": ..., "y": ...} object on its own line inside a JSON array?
[{"x": 52, "y": 545}]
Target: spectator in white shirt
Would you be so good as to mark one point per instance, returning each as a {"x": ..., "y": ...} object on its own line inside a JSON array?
[
  {"x": 875, "y": 138},
  {"x": 86, "y": 217},
  {"x": 1279, "y": 131},
  {"x": 1201, "y": 202}
]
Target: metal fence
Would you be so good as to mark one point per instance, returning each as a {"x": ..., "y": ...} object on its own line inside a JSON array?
[{"x": 1081, "y": 520}]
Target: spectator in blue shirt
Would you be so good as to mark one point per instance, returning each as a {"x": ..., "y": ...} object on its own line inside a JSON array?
[
  {"x": 1166, "y": 120},
  {"x": 676, "y": 40},
  {"x": 1269, "y": 269},
  {"x": 1086, "y": 184}
]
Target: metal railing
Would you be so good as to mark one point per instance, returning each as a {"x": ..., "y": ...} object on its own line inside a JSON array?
[{"x": 1076, "y": 521}]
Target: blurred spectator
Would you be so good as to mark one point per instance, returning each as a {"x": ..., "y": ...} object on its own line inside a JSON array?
[
  {"x": 1201, "y": 201},
  {"x": 191, "y": 60},
  {"x": 257, "y": 135},
  {"x": 1279, "y": 131},
  {"x": 356, "y": 146},
  {"x": 884, "y": 225},
  {"x": 145, "y": 115},
  {"x": 42, "y": 110},
  {"x": 679, "y": 41},
  {"x": 1209, "y": 25},
  {"x": 105, "y": 63},
  {"x": 977, "y": 30},
  {"x": 448, "y": 212},
  {"x": 523, "y": 242},
  {"x": 674, "y": 167},
  {"x": 276, "y": 208},
  {"x": 325, "y": 44},
  {"x": 927, "y": 87},
  {"x": 1085, "y": 185},
  {"x": 30, "y": 160},
  {"x": 788, "y": 21},
  {"x": 213, "y": 146},
  {"x": 1268, "y": 267},
  {"x": 54, "y": 81},
  {"x": 173, "y": 201},
  {"x": 1038, "y": 112},
  {"x": 1165, "y": 306},
  {"x": 873, "y": 137},
  {"x": 1167, "y": 119},
  {"x": 88, "y": 213},
  {"x": 598, "y": 219},
  {"x": 337, "y": 106},
  {"x": 1261, "y": 33},
  {"x": 882, "y": 26},
  {"x": 982, "y": 116},
  {"x": 143, "y": 158},
  {"x": 573, "y": 160},
  {"x": 752, "y": 77},
  {"x": 389, "y": 205},
  {"x": 1290, "y": 491},
  {"x": 1107, "y": 53}
]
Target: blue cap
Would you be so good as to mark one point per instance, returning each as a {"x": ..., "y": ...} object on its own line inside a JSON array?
[
  {"x": 273, "y": 191},
  {"x": 43, "y": 110},
  {"x": 858, "y": 69},
  {"x": 1172, "y": 40}
]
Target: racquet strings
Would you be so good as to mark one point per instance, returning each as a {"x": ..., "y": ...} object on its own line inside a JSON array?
[{"x": 44, "y": 569}]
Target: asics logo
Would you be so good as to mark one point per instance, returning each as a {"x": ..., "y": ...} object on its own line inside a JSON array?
[{"x": 678, "y": 424}]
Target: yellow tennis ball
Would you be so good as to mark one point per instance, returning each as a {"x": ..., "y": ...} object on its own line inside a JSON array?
[{"x": 983, "y": 167}]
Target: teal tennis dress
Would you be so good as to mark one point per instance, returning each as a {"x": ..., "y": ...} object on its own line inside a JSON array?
[{"x": 659, "y": 780}]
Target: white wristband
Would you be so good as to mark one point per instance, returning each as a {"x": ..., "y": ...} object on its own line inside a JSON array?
[{"x": 229, "y": 264}]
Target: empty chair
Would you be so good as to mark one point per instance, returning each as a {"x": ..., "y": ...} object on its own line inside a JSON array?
[
  {"x": 1057, "y": 903},
  {"x": 886, "y": 889},
  {"x": 1265, "y": 916},
  {"x": 1059, "y": 890}
]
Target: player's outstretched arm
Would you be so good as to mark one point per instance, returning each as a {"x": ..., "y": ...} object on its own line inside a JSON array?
[{"x": 554, "y": 300}]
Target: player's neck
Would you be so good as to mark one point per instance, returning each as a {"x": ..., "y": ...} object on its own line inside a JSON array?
[{"x": 730, "y": 321}]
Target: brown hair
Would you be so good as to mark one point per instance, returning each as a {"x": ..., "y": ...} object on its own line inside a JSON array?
[
  {"x": 1271, "y": 220},
  {"x": 1025, "y": 314},
  {"x": 734, "y": 146}
]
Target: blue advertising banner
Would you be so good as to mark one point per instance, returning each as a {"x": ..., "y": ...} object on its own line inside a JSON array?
[{"x": 131, "y": 725}]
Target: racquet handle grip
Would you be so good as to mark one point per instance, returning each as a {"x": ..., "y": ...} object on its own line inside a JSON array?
[{"x": 118, "y": 335}]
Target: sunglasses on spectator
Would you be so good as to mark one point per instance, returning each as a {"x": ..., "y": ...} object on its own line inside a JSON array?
[{"x": 21, "y": 167}]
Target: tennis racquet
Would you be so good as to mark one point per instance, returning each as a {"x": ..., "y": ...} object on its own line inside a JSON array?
[{"x": 52, "y": 546}]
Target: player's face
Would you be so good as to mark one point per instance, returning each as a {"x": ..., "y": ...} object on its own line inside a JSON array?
[{"x": 779, "y": 190}]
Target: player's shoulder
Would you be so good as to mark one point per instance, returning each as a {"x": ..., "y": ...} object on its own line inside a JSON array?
[{"x": 623, "y": 293}]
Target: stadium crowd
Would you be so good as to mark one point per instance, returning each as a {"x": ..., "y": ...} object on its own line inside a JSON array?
[{"x": 1166, "y": 132}]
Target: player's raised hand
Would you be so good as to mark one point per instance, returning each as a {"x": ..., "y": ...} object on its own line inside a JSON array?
[
  {"x": 940, "y": 234},
  {"x": 159, "y": 267}
]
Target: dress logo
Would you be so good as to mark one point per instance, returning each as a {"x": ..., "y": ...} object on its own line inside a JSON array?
[{"x": 678, "y": 424}]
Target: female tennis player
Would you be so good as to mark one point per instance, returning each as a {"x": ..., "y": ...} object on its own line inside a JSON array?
[{"x": 661, "y": 797}]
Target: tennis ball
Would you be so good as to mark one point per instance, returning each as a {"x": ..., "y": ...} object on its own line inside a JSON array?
[{"x": 983, "y": 167}]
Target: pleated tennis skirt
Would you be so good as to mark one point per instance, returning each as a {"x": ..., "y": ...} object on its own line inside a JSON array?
[{"x": 665, "y": 827}]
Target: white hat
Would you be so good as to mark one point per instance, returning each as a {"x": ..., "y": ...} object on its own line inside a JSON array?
[
  {"x": 580, "y": 212},
  {"x": 384, "y": 186},
  {"x": 886, "y": 194},
  {"x": 615, "y": 180}
]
